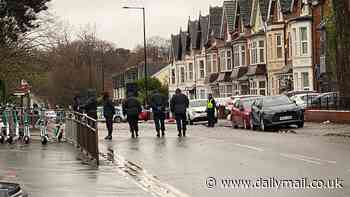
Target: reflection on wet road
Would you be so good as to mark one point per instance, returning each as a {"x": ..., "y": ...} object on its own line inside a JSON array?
[{"x": 54, "y": 170}]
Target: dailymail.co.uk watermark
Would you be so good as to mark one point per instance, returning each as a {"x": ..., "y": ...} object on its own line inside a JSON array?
[{"x": 273, "y": 183}]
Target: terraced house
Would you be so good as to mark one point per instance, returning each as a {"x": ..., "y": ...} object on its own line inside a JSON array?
[{"x": 258, "y": 47}]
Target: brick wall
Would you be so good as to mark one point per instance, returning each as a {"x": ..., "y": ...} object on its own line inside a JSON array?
[{"x": 324, "y": 115}]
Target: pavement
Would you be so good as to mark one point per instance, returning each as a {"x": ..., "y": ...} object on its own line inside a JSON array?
[{"x": 201, "y": 163}]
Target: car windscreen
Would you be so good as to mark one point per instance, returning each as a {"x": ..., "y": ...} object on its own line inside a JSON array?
[
  {"x": 276, "y": 100},
  {"x": 198, "y": 103},
  {"x": 247, "y": 104}
]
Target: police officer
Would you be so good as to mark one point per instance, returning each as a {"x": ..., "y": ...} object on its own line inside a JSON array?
[
  {"x": 211, "y": 104},
  {"x": 178, "y": 106},
  {"x": 108, "y": 113},
  {"x": 158, "y": 104},
  {"x": 132, "y": 108}
]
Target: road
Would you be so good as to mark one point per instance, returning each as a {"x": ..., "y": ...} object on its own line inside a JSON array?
[{"x": 182, "y": 165}]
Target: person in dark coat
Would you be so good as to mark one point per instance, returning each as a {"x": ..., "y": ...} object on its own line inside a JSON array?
[
  {"x": 108, "y": 113},
  {"x": 178, "y": 106},
  {"x": 158, "y": 104},
  {"x": 132, "y": 108},
  {"x": 211, "y": 105}
]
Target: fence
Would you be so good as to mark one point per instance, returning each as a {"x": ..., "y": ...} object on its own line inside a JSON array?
[
  {"x": 331, "y": 102},
  {"x": 82, "y": 131}
]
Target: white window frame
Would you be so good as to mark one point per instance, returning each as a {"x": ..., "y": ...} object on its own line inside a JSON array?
[
  {"x": 236, "y": 56},
  {"x": 190, "y": 71},
  {"x": 304, "y": 41},
  {"x": 201, "y": 69},
  {"x": 242, "y": 57},
  {"x": 307, "y": 79},
  {"x": 182, "y": 75},
  {"x": 222, "y": 60},
  {"x": 215, "y": 63},
  {"x": 228, "y": 60},
  {"x": 279, "y": 46},
  {"x": 209, "y": 63}
]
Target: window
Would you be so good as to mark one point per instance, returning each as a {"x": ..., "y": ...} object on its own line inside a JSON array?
[
  {"x": 228, "y": 90},
  {"x": 254, "y": 56},
  {"x": 190, "y": 71},
  {"x": 201, "y": 69},
  {"x": 296, "y": 84},
  {"x": 262, "y": 84},
  {"x": 261, "y": 51},
  {"x": 209, "y": 64},
  {"x": 229, "y": 60},
  {"x": 236, "y": 56},
  {"x": 290, "y": 45},
  {"x": 253, "y": 88},
  {"x": 279, "y": 46},
  {"x": 270, "y": 55},
  {"x": 295, "y": 47},
  {"x": 182, "y": 74},
  {"x": 173, "y": 76},
  {"x": 305, "y": 78},
  {"x": 202, "y": 94},
  {"x": 242, "y": 55},
  {"x": 222, "y": 60},
  {"x": 303, "y": 40},
  {"x": 215, "y": 63},
  {"x": 221, "y": 90}
]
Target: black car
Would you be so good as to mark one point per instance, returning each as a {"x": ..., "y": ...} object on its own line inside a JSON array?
[
  {"x": 273, "y": 111},
  {"x": 11, "y": 190}
]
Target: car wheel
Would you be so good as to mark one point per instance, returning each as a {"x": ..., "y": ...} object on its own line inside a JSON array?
[
  {"x": 252, "y": 126},
  {"x": 262, "y": 124},
  {"x": 117, "y": 120},
  {"x": 301, "y": 124}
]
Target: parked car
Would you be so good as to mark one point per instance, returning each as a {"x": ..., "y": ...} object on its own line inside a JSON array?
[
  {"x": 50, "y": 114},
  {"x": 304, "y": 100},
  {"x": 145, "y": 114},
  {"x": 325, "y": 100},
  {"x": 118, "y": 116},
  {"x": 11, "y": 190},
  {"x": 296, "y": 92},
  {"x": 240, "y": 113},
  {"x": 197, "y": 111},
  {"x": 273, "y": 111}
]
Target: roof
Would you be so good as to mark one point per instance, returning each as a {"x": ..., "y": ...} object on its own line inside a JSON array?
[
  {"x": 264, "y": 8},
  {"x": 193, "y": 32},
  {"x": 286, "y": 5},
  {"x": 215, "y": 19},
  {"x": 229, "y": 8},
  {"x": 175, "y": 46},
  {"x": 184, "y": 38},
  {"x": 204, "y": 23},
  {"x": 245, "y": 7}
]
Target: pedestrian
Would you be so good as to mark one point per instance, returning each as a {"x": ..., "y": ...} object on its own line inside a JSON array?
[
  {"x": 178, "y": 106},
  {"x": 108, "y": 113},
  {"x": 211, "y": 104},
  {"x": 132, "y": 108},
  {"x": 158, "y": 104}
]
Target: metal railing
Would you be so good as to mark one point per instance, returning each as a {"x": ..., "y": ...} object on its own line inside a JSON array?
[
  {"x": 329, "y": 103},
  {"x": 82, "y": 131}
]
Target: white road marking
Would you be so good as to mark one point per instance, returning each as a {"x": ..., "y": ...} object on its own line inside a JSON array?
[
  {"x": 250, "y": 147},
  {"x": 316, "y": 159},
  {"x": 300, "y": 158}
]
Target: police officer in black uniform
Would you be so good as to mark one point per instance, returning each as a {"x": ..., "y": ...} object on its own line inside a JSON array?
[
  {"x": 211, "y": 105},
  {"x": 132, "y": 108},
  {"x": 178, "y": 106},
  {"x": 158, "y": 104}
]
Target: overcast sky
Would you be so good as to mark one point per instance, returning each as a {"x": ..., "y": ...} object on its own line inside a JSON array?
[{"x": 124, "y": 27}]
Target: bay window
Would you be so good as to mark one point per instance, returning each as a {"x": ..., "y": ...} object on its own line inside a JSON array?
[
  {"x": 304, "y": 40},
  {"x": 236, "y": 56},
  {"x": 258, "y": 52},
  {"x": 209, "y": 69},
  {"x": 229, "y": 60},
  {"x": 261, "y": 51},
  {"x": 279, "y": 46},
  {"x": 182, "y": 74},
  {"x": 222, "y": 60},
  {"x": 201, "y": 69},
  {"x": 190, "y": 71},
  {"x": 215, "y": 63},
  {"x": 242, "y": 55}
]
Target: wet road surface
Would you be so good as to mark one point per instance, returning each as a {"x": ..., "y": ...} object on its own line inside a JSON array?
[
  {"x": 54, "y": 170},
  {"x": 223, "y": 153}
]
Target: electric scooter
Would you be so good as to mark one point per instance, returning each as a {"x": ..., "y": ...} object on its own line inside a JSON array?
[
  {"x": 43, "y": 128},
  {"x": 26, "y": 122}
]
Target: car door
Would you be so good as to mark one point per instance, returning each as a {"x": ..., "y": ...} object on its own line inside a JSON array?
[
  {"x": 255, "y": 111},
  {"x": 235, "y": 111}
]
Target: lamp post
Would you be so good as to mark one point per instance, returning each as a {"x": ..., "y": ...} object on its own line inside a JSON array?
[{"x": 144, "y": 48}]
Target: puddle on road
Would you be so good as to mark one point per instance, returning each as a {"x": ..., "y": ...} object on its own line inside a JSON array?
[{"x": 140, "y": 176}]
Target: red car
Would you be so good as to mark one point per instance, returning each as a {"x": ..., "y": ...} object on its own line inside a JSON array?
[
  {"x": 145, "y": 115},
  {"x": 240, "y": 113}
]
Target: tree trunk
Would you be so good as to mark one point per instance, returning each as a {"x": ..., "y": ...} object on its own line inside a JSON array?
[{"x": 342, "y": 23}]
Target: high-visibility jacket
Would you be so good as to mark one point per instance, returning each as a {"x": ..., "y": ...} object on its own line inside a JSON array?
[{"x": 210, "y": 104}]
